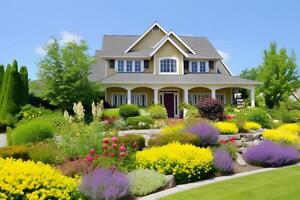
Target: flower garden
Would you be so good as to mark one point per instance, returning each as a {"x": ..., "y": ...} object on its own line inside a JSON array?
[{"x": 51, "y": 155}]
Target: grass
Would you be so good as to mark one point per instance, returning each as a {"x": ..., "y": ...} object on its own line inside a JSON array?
[
  {"x": 111, "y": 112},
  {"x": 276, "y": 185}
]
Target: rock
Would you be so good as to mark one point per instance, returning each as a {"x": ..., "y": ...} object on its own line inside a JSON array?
[
  {"x": 223, "y": 137},
  {"x": 147, "y": 138},
  {"x": 248, "y": 144},
  {"x": 257, "y": 135},
  {"x": 240, "y": 160},
  {"x": 242, "y": 150},
  {"x": 256, "y": 142},
  {"x": 170, "y": 181},
  {"x": 249, "y": 136},
  {"x": 238, "y": 143}
]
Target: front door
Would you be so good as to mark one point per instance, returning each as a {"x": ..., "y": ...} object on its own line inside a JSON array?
[{"x": 169, "y": 104}]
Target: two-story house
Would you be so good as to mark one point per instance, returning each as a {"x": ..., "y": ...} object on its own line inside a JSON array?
[{"x": 162, "y": 67}]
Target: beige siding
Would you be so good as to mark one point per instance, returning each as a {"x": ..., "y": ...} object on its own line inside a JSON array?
[
  {"x": 219, "y": 65},
  {"x": 179, "y": 44},
  {"x": 227, "y": 93},
  {"x": 168, "y": 50},
  {"x": 150, "y": 69},
  {"x": 199, "y": 90},
  {"x": 148, "y": 91},
  {"x": 149, "y": 40}
]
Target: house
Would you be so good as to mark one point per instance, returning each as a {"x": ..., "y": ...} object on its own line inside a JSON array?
[{"x": 161, "y": 67}]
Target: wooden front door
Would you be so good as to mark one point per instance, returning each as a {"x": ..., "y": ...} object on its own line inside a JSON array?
[{"x": 169, "y": 104}]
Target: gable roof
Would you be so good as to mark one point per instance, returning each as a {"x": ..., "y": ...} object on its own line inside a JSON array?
[{"x": 161, "y": 43}]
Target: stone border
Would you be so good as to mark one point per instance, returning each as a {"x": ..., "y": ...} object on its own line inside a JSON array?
[
  {"x": 140, "y": 131},
  {"x": 180, "y": 188}
]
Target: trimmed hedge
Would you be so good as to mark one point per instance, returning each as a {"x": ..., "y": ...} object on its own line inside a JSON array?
[
  {"x": 140, "y": 122},
  {"x": 157, "y": 112},
  {"x": 128, "y": 110}
]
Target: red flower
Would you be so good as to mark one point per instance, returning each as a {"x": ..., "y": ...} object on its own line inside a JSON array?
[
  {"x": 89, "y": 158},
  {"x": 114, "y": 146},
  {"x": 122, "y": 148},
  {"x": 114, "y": 139},
  {"x": 223, "y": 142},
  {"x": 122, "y": 154},
  {"x": 104, "y": 146},
  {"x": 92, "y": 151},
  {"x": 232, "y": 139},
  {"x": 104, "y": 154},
  {"x": 105, "y": 140},
  {"x": 134, "y": 145},
  {"x": 112, "y": 154}
]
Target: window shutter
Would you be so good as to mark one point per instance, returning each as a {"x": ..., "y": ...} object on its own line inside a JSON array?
[
  {"x": 186, "y": 64},
  {"x": 146, "y": 64},
  {"x": 111, "y": 63},
  {"x": 211, "y": 64}
]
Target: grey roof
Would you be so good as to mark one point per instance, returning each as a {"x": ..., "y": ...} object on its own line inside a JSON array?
[
  {"x": 150, "y": 78},
  {"x": 115, "y": 45}
]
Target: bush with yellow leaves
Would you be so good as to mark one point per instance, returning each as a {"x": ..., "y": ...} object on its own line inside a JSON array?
[
  {"x": 251, "y": 126},
  {"x": 29, "y": 180},
  {"x": 186, "y": 162},
  {"x": 226, "y": 127},
  {"x": 293, "y": 127},
  {"x": 282, "y": 136}
]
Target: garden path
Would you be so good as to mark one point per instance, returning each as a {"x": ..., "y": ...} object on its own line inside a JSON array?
[{"x": 2, "y": 139}]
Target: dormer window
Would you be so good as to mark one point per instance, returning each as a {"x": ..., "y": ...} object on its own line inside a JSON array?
[
  {"x": 129, "y": 66},
  {"x": 199, "y": 66},
  {"x": 168, "y": 66}
]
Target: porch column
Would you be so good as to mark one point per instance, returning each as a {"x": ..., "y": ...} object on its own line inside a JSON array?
[
  {"x": 129, "y": 96},
  {"x": 155, "y": 90},
  {"x": 252, "y": 97},
  {"x": 185, "y": 99},
  {"x": 213, "y": 93}
]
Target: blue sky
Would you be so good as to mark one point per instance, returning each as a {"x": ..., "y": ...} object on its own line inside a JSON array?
[{"x": 240, "y": 29}]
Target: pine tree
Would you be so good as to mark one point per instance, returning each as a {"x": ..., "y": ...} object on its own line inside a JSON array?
[
  {"x": 4, "y": 86},
  {"x": 24, "y": 91},
  {"x": 1, "y": 75}
]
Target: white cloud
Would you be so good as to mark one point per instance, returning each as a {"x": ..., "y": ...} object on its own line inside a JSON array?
[
  {"x": 226, "y": 56},
  {"x": 65, "y": 36}
]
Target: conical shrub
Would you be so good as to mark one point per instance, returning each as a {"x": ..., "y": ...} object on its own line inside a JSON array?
[{"x": 24, "y": 90}]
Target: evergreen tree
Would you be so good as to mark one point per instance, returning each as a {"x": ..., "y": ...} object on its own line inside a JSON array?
[
  {"x": 24, "y": 91},
  {"x": 4, "y": 86},
  {"x": 1, "y": 75}
]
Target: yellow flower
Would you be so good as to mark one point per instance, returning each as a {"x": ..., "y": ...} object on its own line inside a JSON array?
[
  {"x": 283, "y": 136},
  {"x": 293, "y": 127},
  {"x": 226, "y": 127},
  {"x": 251, "y": 126}
]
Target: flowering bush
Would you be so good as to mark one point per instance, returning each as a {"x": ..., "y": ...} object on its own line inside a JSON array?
[
  {"x": 139, "y": 122},
  {"x": 293, "y": 127},
  {"x": 223, "y": 161},
  {"x": 104, "y": 184},
  {"x": 211, "y": 109},
  {"x": 29, "y": 180},
  {"x": 268, "y": 154},
  {"x": 133, "y": 140},
  {"x": 208, "y": 134},
  {"x": 186, "y": 162},
  {"x": 173, "y": 128},
  {"x": 251, "y": 126},
  {"x": 282, "y": 136},
  {"x": 145, "y": 181},
  {"x": 226, "y": 127}
]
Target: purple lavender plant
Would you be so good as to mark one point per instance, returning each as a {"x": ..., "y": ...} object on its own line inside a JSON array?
[
  {"x": 105, "y": 184},
  {"x": 223, "y": 161},
  {"x": 269, "y": 154},
  {"x": 208, "y": 134}
]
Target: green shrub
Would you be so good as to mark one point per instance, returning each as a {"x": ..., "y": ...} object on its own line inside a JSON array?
[
  {"x": 111, "y": 112},
  {"x": 128, "y": 110},
  {"x": 258, "y": 115},
  {"x": 191, "y": 111},
  {"x": 32, "y": 131},
  {"x": 295, "y": 115},
  {"x": 46, "y": 152},
  {"x": 181, "y": 137},
  {"x": 145, "y": 181},
  {"x": 133, "y": 140},
  {"x": 157, "y": 111},
  {"x": 283, "y": 114},
  {"x": 18, "y": 151},
  {"x": 140, "y": 122}
]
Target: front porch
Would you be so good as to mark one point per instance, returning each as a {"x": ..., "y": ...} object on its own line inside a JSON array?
[{"x": 172, "y": 96}]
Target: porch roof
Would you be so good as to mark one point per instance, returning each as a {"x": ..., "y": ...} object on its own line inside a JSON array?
[{"x": 150, "y": 78}]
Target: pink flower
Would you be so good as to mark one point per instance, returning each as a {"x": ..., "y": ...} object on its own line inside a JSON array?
[
  {"x": 105, "y": 140},
  {"x": 122, "y": 154},
  {"x": 92, "y": 151},
  {"x": 134, "y": 145},
  {"x": 112, "y": 154},
  {"x": 114, "y": 139},
  {"x": 114, "y": 146},
  {"x": 104, "y": 146},
  {"x": 122, "y": 148},
  {"x": 89, "y": 158}
]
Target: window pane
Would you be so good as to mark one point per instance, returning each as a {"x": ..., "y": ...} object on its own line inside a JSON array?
[
  {"x": 168, "y": 65},
  {"x": 138, "y": 66},
  {"x": 194, "y": 67},
  {"x": 202, "y": 66},
  {"x": 120, "y": 66},
  {"x": 129, "y": 66}
]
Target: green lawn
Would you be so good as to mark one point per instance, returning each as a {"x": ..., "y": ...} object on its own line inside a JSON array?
[
  {"x": 111, "y": 112},
  {"x": 279, "y": 184}
]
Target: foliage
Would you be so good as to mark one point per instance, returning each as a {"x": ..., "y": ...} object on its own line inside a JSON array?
[
  {"x": 30, "y": 180},
  {"x": 157, "y": 111},
  {"x": 1, "y": 74},
  {"x": 75, "y": 168},
  {"x": 208, "y": 134},
  {"x": 76, "y": 139},
  {"x": 134, "y": 140},
  {"x": 282, "y": 136},
  {"x": 29, "y": 112},
  {"x": 251, "y": 126},
  {"x": 257, "y": 115},
  {"x": 186, "y": 162},
  {"x": 46, "y": 152},
  {"x": 226, "y": 127},
  {"x": 13, "y": 91},
  {"x": 64, "y": 70},
  {"x": 18, "y": 151},
  {"x": 128, "y": 110},
  {"x": 283, "y": 114},
  {"x": 139, "y": 122},
  {"x": 145, "y": 181},
  {"x": 97, "y": 110},
  {"x": 35, "y": 130},
  {"x": 181, "y": 137},
  {"x": 105, "y": 184},
  {"x": 177, "y": 128},
  {"x": 111, "y": 112},
  {"x": 230, "y": 147},
  {"x": 268, "y": 154},
  {"x": 222, "y": 161},
  {"x": 293, "y": 127},
  {"x": 211, "y": 109},
  {"x": 191, "y": 111}
]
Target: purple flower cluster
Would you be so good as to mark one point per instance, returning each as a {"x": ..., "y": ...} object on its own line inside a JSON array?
[
  {"x": 208, "y": 134},
  {"x": 269, "y": 154},
  {"x": 105, "y": 184},
  {"x": 223, "y": 161}
]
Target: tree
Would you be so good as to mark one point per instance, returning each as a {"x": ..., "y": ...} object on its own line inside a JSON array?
[
  {"x": 4, "y": 85},
  {"x": 251, "y": 73},
  {"x": 1, "y": 75},
  {"x": 279, "y": 75},
  {"x": 64, "y": 70},
  {"x": 24, "y": 91}
]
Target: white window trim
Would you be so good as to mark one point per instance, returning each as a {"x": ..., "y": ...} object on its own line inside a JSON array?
[
  {"x": 118, "y": 93},
  {"x": 224, "y": 97},
  {"x": 198, "y": 66},
  {"x": 140, "y": 93},
  {"x": 133, "y": 66},
  {"x": 170, "y": 73},
  {"x": 198, "y": 94}
]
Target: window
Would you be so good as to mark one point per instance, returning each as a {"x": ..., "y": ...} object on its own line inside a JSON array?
[
  {"x": 194, "y": 98},
  {"x": 139, "y": 99},
  {"x": 129, "y": 66},
  {"x": 198, "y": 66},
  {"x": 137, "y": 65},
  {"x": 120, "y": 66},
  {"x": 168, "y": 65},
  {"x": 221, "y": 97},
  {"x": 119, "y": 99}
]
